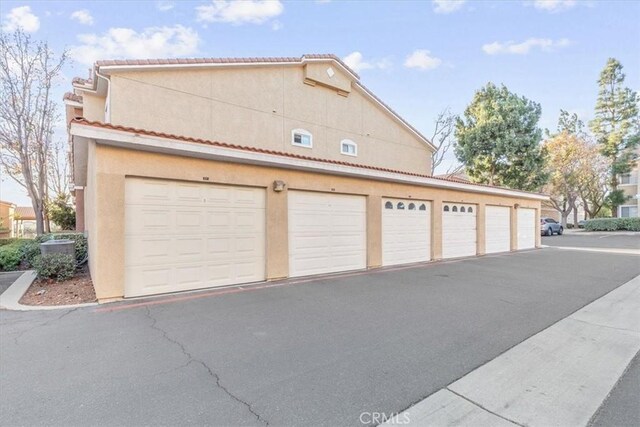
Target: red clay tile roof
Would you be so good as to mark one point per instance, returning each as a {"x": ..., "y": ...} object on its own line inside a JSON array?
[
  {"x": 83, "y": 121},
  {"x": 25, "y": 212},
  {"x": 72, "y": 97},
  {"x": 250, "y": 60}
]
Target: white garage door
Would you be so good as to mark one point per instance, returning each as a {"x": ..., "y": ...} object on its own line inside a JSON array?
[
  {"x": 327, "y": 233},
  {"x": 497, "y": 229},
  {"x": 458, "y": 230},
  {"x": 527, "y": 228},
  {"x": 181, "y": 236},
  {"x": 406, "y": 231}
]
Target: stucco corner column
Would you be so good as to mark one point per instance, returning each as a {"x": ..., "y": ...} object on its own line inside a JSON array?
[
  {"x": 436, "y": 230},
  {"x": 538, "y": 235},
  {"x": 374, "y": 231},
  {"x": 481, "y": 230},
  {"x": 277, "y": 245},
  {"x": 79, "y": 199},
  {"x": 514, "y": 228}
]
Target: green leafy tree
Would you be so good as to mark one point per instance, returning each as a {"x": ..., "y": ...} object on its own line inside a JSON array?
[
  {"x": 61, "y": 213},
  {"x": 615, "y": 127},
  {"x": 499, "y": 140}
]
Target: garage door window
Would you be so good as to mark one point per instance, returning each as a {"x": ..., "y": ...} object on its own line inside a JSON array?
[
  {"x": 412, "y": 206},
  {"x": 388, "y": 205},
  {"x": 423, "y": 207},
  {"x": 446, "y": 208},
  {"x": 470, "y": 209},
  {"x": 462, "y": 209},
  {"x": 401, "y": 206},
  {"x": 455, "y": 209}
]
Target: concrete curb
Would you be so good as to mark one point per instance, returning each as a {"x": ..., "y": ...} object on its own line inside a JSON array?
[
  {"x": 559, "y": 376},
  {"x": 10, "y": 299}
]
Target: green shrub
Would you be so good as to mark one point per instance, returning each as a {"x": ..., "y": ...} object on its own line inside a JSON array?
[
  {"x": 8, "y": 241},
  {"x": 10, "y": 257},
  {"x": 613, "y": 224},
  {"x": 55, "y": 266},
  {"x": 30, "y": 250},
  {"x": 80, "y": 240}
]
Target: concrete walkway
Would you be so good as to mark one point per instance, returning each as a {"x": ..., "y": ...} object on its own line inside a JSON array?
[{"x": 560, "y": 376}]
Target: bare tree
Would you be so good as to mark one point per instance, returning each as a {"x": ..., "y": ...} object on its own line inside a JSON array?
[
  {"x": 27, "y": 113},
  {"x": 59, "y": 170},
  {"x": 443, "y": 139}
]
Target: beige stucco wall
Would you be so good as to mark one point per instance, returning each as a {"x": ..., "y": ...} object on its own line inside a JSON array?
[
  {"x": 7, "y": 211},
  {"x": 260, "y": 106},
  {"x": 104, "y": 202},
  {"x": 93, "y": 107}
]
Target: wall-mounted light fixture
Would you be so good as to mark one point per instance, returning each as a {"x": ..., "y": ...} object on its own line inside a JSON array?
[{"x": 278, "y": 186}]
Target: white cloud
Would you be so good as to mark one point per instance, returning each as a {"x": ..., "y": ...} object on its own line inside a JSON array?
[
  {"x": 422, "y": 60},
  {"x": 356, "y": 62},
  {"x": 82, "y": 16},
  {"x": 125, "y": 43},
  {"x": 512, "y": 48},
  {"x": 239, "y": 12},
  {"x": 21, "y": 18},
  {"x": 447, "y": 6},
  {"x": 554, "y": 5},
  {"x": 164, "y": 6}
]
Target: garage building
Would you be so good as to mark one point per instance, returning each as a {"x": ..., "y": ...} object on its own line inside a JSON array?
[{"x": 184, "y": 182}]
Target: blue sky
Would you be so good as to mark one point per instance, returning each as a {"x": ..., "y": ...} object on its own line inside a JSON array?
[{"x": 419, "y": 57}]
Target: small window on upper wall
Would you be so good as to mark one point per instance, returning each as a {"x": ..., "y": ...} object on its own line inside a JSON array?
[
  {"x": 412, "y": 206},
  {"x": 401, "y": 205},
  {"x": 348, "y": 147},
  {"x": 446, "y": 208},
  {"x": 388, "y": 205},
  {"x": 423, "y": 207},
  {"x": 455, "y": 209},
  {"x": 301, "y": 138}
]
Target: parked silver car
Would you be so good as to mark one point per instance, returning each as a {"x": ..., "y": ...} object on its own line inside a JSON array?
[{"x": 549, "y": 226}]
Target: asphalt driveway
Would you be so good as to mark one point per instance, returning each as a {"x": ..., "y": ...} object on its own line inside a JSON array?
[
  {"x": 587, "y": 239},
  {"x": 7, "y": 279},
  {"x": 319, "y": 352}
]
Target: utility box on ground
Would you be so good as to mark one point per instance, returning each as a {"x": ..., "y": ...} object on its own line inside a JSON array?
[{"x": 62, "y": 246}]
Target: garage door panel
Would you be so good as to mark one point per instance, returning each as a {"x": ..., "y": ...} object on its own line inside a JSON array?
[
  {"x": 497, "y": 229},
  {"x": 459, "y": 230},
  {"x": 527, "y": 228},
  {"x": 327, "y": 233},
  {"x": 171, "y": 246},
  {"x": 406, "y": 233}
]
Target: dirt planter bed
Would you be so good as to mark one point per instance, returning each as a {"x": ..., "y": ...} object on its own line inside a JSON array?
[{"x": 77, "y": 290}]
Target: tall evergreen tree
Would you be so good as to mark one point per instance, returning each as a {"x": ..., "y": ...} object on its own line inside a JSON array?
[
  {"x": 499, "y": 140},
  {"x": 616, "y": 127}
]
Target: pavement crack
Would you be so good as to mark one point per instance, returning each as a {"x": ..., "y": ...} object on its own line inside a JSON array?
[
  {"x": 485, "y": 409},
  {"x": 48, "y": 322},
  {"x": 210, "y": 371}
]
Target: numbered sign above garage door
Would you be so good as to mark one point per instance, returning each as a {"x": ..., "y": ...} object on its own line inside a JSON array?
[
  {"x": 497, "y": 229},
  {"x": 406, "y": 231},
  {"x": 527, "y": 228},
  {"x": 327, "y": 233},
  {"x": 181, "y": 236},
  {"x": 458, "y": 230}
]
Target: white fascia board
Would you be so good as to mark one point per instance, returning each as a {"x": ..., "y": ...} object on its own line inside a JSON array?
[
  {"x": 134, "y": 141},
  {"x": 72, "y": 103}
]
